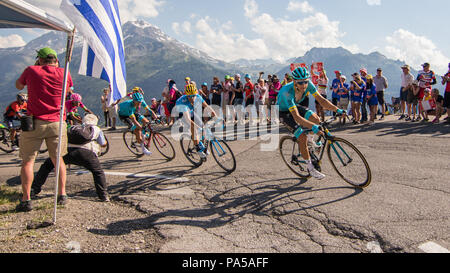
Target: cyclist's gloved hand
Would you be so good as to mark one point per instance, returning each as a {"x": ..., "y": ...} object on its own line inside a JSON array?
[{"x": 316, "y": 129}]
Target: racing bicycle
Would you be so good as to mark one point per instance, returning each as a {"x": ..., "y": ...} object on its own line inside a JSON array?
[
  {"x": 219, "y": 148},
  {"x": 6, "y": 144},
  {"x": 160, "y": 141},
  {"x": 346, "y": 159}
]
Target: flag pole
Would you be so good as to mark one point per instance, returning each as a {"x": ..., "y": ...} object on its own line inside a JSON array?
[{"x": 69, "y": 48}]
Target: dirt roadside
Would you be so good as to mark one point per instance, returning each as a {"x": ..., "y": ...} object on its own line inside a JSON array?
[{"x": 84, "y": 225}]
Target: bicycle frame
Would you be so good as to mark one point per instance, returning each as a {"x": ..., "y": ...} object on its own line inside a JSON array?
[{"x": 328, "y": 141}]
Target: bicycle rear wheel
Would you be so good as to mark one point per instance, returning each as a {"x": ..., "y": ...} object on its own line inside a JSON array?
[
  {"x": 223, "y": 155},
  {"x": 290, "y": 153},
  {"x": 130, "y": 141},
  {"x": 163, "y": 145},
  {"x": 349, "y": 163},
  {"x": 5, "y": 141},
  {"x": 188, "y": 148}
]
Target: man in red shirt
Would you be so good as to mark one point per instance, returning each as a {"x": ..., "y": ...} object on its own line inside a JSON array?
[
  {"x": 44, "y": 82},
  {"x": 13, "y": 113}
]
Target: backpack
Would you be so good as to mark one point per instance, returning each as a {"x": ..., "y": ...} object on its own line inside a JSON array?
[
  {"x": 80, "y": 134},
  {"x": 178, "y": 94}
]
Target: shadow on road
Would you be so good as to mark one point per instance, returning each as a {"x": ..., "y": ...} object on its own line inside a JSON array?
[{"x": 264, "y": 198}]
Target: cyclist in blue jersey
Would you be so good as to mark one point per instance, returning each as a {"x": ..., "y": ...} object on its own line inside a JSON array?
[
  {"x": 128, "y": 113},
  {"x": 295, "y": 116},
  {"x": 190, "y": 106}
]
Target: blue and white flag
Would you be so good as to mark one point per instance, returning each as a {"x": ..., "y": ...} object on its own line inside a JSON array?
[{"x": 103, "y": 56}]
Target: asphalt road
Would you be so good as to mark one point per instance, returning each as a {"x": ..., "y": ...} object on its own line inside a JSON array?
[{"x": 263, "y": 207}]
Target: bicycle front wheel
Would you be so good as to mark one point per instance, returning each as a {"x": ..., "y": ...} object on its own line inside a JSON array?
[
  {"x": 188, "y": 148},
  {"x": 163, "y": 145},
  {"x": 223, "y": 155},
  {"x": 5, "y": 141},
  {"x": 130, "y": 141},
  {"x": 290, "y": 153},
  {"x": 349, "y": 163}
]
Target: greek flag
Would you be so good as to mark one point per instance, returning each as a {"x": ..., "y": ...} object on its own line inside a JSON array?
[{"x": 103, "y": 56}]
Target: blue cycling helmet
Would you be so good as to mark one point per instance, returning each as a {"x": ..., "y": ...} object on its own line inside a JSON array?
[
  {"x": 138, "y": 97},
  {"x": 247, "y": 76},
  {"x": 300, "y": 73}
]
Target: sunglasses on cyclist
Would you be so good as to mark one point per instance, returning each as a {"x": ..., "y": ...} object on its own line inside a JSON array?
[
  {"x": 191, "y": 96},
  {"x": 301, "y": 82}
]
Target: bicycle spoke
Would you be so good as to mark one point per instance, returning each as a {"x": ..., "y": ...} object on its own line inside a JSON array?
[
  {"x": 223, "y": 155},
  {"x": 349, "y": 163},
  {"x": 291, "y": 157}
]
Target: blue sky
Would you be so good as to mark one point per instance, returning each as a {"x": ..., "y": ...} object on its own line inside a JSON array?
[{"x": 413, "y": 31}]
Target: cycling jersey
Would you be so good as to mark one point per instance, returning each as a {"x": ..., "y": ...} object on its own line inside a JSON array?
[
  {"x": 70, "y": 107},
  {"x": 14, "y": 108},
  {"x": 183, "y": 104},
  {"x": 426, "y": 79},
  {"x": 286, "y": 96}
]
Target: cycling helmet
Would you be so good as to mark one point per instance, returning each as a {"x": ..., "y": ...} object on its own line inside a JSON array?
[
  {"x": 247, "y": 76},
  {"x": 22, "y": 96},
  {"x": 300, "y": 73},
  {"x": 191, "y": 90},
  {"x": 138, "y": 97},
  {"x": 138, "y": 89},
  {"x": 76, "y": 97}
]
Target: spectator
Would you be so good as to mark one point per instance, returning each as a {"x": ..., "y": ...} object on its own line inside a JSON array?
[
  {"x": 381, "y": 83},
  {"x": 372, "y": 99},
  {"x": 165, "y": 101},
  {"x": 414, "y": 101},
  {"x": 273, "y": 94},
  {"x": 286, "y": 79},
  {"x": 343, "y": 95},
  {"x": 187, "y": 81},
  {"x": 216, "y": 91},
  {"x": 112, "y": 112},
  {"x": 249, "y": 90},
  {"x": 226, "y": 93},
  {"x": 85, "y": 155},
  {"x": 16, "y": 110},
  {"x": 322, "y": 87},
  {"x": 427, "y": 105},
  {"x": 104, "y": 100},
  {"x": 204, "y": 92},
  {"x": 357, "y": 88},
  {"x": 426, "y": 78},
  {"x": 44, "y": 83},
  {"x": 238, "y": 91},
  {"x": 446, "y": 82},
  {"x": 261, "y": 93},
  {"x": 172, "y": 97},
  {"x": 335, "y": 85},
  {"x": 407, "y": 80},
  {"x": 439, "y": 102},
  {"x": 363, "y": 73}
]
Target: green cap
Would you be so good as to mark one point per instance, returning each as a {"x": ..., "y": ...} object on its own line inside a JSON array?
[{"x": 44, "y": 52}]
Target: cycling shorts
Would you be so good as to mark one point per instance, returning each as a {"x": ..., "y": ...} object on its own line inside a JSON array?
[
  {"x": 287, "y": 119},
  {"x": 129, "y": 122}
]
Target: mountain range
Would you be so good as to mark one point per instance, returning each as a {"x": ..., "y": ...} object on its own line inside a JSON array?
[{"x": 152, "y": 57}]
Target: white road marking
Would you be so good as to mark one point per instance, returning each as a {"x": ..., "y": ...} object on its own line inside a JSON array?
[
  {"x": 141, "y": 175},
  {"x": 431, "y": 247},
  {"x": 374, "y": 247}
]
